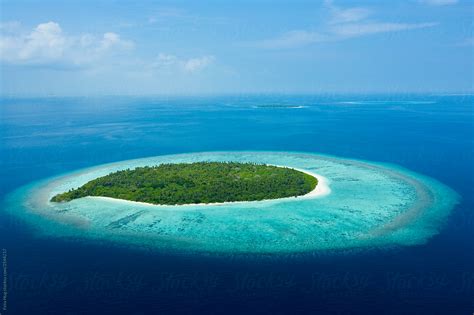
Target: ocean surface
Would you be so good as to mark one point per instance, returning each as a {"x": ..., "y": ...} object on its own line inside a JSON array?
[{"x": 429, "y": 134}]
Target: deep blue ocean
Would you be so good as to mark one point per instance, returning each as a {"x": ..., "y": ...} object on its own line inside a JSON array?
[{"x": 429, "y": 134}]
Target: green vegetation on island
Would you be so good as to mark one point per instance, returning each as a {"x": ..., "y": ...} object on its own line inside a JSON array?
[{"x": 200, "y": 182}]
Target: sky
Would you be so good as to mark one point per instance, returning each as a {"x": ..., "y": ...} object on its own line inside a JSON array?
[{"x": 191, "y": 47}]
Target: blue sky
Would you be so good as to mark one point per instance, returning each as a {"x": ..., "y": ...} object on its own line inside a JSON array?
[{"x": 201, "y": 47}]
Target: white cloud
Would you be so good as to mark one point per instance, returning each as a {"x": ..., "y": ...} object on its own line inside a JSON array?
[
  {"x": 439, "y": 2},
  {"x": 292, "y": 39},
  {"x": 197, "y": 64},
  {"x": 361, "y": 29},
  {"x": 342, "y": 23},
  {"x": 165, "y": 60},
  {"x": 191, "y": 65},
  {"x": 47, "y": 44},
  {"x": 349, "y": 15},
  {"x": 346, "y": 15}
]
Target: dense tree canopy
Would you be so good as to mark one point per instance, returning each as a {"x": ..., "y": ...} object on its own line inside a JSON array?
[{"x": 201, "y": 182}]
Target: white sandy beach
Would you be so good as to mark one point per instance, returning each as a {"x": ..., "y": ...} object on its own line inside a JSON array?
[{"x": 322, "y": 189}]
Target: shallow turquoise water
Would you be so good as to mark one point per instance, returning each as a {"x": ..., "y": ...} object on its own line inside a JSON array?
[
  {"x": 429, "y": 134},
  {"x": 371, "y": 204}
]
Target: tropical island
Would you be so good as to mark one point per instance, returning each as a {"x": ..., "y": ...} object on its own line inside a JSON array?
[{"x": 197, "y": 183}]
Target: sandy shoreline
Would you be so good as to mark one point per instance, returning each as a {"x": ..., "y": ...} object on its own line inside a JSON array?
[{"x": 322, "y": 189}]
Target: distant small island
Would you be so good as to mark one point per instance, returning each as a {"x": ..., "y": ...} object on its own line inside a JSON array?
[{"x": 196, "y": 183}]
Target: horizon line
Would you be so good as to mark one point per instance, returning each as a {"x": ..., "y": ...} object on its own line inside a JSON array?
[{"x": 177, "y": 95}]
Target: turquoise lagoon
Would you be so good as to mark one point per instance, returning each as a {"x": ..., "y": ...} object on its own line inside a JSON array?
[{"x": 370, "y": 205}]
